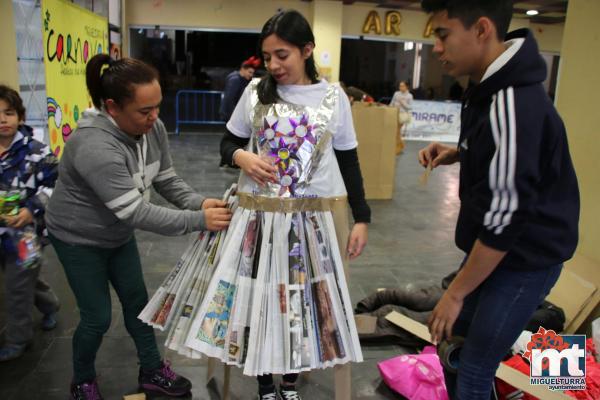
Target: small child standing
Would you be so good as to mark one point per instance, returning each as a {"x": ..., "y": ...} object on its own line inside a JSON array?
[
  {"x": 403, "y": 101},
  {"x": 28, "y": 171}
]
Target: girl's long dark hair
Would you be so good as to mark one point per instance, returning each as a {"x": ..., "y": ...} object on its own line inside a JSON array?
[
  {"x": 109, "y": 79},
  {"x": 292, "y": 27}
]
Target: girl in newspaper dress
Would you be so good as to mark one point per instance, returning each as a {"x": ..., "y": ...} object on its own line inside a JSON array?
[{"x": 278, "y": 301}]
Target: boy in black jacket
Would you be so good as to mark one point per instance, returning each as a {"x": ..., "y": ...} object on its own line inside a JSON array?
[{"x": 518, "y": 190}]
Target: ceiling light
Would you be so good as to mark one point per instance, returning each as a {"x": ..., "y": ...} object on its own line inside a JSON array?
[{"x": 532, "y": 12}]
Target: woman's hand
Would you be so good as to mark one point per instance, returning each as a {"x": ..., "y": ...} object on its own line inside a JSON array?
[
  {"x": 358, "y": 239},
  {"x": 255, "y": 167},
  {"x": 213, "y": 203},
  {"x": 23, "y": 218},
  {"x": 217, "y": 218}
]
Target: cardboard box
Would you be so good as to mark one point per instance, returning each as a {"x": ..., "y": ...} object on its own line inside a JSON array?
[
  {"x": 376, "y": 128},
  {"x": 342, "y": 375},
  {"x": 137, "y": 396},
  {"x": 577, "y": 292},
  {"x": 365, "y": 323}
]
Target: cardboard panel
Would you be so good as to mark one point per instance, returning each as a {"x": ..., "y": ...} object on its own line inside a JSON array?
[
  {"x": 376, "y": 128},
  {"x": 576, "y": 291}
]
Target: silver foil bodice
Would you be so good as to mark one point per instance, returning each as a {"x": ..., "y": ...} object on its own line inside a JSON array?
[{"x": 293, "y": 138}]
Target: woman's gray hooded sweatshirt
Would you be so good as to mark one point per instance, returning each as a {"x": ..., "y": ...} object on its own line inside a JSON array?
[{"x": 103, "y": 184}]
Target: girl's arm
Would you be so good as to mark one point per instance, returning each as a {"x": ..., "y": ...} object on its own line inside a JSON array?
[
  {"x": 229, "y": 144},
  {"x": 361, "y": 212},
  {"x": 350, "y": 169}
]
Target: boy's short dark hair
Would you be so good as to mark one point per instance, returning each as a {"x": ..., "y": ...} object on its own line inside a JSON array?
[
  {"x": 13, "y": 99},
  {"x": 469, "y": 11}
]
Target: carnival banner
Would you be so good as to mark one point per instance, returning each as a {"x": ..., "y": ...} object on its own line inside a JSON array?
[
  {"x": 434, "y": 120},
  {"x": 72, "y": 35}
]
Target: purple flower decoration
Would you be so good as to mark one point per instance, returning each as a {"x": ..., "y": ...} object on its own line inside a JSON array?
[
  {"x": 302, "y": 130},
  {"x": 268, "y": 132},
  {"x": 287, "y": 179},
  {"x": 283, "y": 148}
]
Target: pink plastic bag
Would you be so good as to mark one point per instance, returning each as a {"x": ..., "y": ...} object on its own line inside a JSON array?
[{"x": 415, "y": 376}]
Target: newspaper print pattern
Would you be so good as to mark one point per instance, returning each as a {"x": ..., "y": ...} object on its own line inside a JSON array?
[
  {"x": 177, "y": 296},
  {"x": 288, "y": 315}
]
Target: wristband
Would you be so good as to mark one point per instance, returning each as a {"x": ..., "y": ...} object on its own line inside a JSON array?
[{"x": 233, "y": 156}]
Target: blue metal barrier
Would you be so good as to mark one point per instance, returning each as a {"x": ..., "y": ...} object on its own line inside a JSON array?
[{"x": 197, "y": 107}]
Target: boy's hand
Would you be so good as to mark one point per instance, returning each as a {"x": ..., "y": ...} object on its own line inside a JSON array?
[
  {"x": 23, "y": 218},
  {"x": 217, "y": 218},
  {"x": 357, "y": 240},
  {"x": 444, "y": 316},
  {"x": 436, "y": 154},
  {"x": 213, "y": 203}
]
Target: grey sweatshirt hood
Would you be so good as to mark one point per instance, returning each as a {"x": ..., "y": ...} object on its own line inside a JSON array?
[{"x": 87, "y": 116}]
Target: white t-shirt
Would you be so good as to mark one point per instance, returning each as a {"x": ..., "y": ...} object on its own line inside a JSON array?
[{"x": 341, "y": 125}]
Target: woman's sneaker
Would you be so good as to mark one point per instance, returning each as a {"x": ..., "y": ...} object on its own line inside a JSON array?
[
  {"x": 268, "y": 393},
  {"x": 85, "y": 391},
  {"x": 164, "y": 380},
  {"x": 289, "y": 393}
]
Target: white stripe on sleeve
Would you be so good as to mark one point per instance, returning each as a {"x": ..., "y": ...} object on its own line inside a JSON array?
[
  {"x": 123, "y": 200},
  {"x": 166, "y": 174},
  {"x": 505, "y": 198},
  {"x": 512, "y": 161},
  {"x": 494, "y": 164},
  {"x": 127, "y": 211}
]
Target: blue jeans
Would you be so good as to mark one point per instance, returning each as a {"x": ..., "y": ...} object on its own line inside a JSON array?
[{"x": 492, "y": 318}]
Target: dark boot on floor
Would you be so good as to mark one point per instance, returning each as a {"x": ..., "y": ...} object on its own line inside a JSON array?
[{"x": 164, "y": 380}]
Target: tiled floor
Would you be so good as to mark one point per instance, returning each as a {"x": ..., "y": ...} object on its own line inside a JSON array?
[{"x": 410, "y": 240}]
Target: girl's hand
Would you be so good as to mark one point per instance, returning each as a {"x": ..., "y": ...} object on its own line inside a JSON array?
[
  {"x": 213, "y": 203},
  {"x": 23, "y": 218},
  {"x": 358, "y": 239},
  {"x": 256, "y": 168}
]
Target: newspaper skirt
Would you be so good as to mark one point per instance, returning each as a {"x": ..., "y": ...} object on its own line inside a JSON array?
[{"x": 278, "y": 300}]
